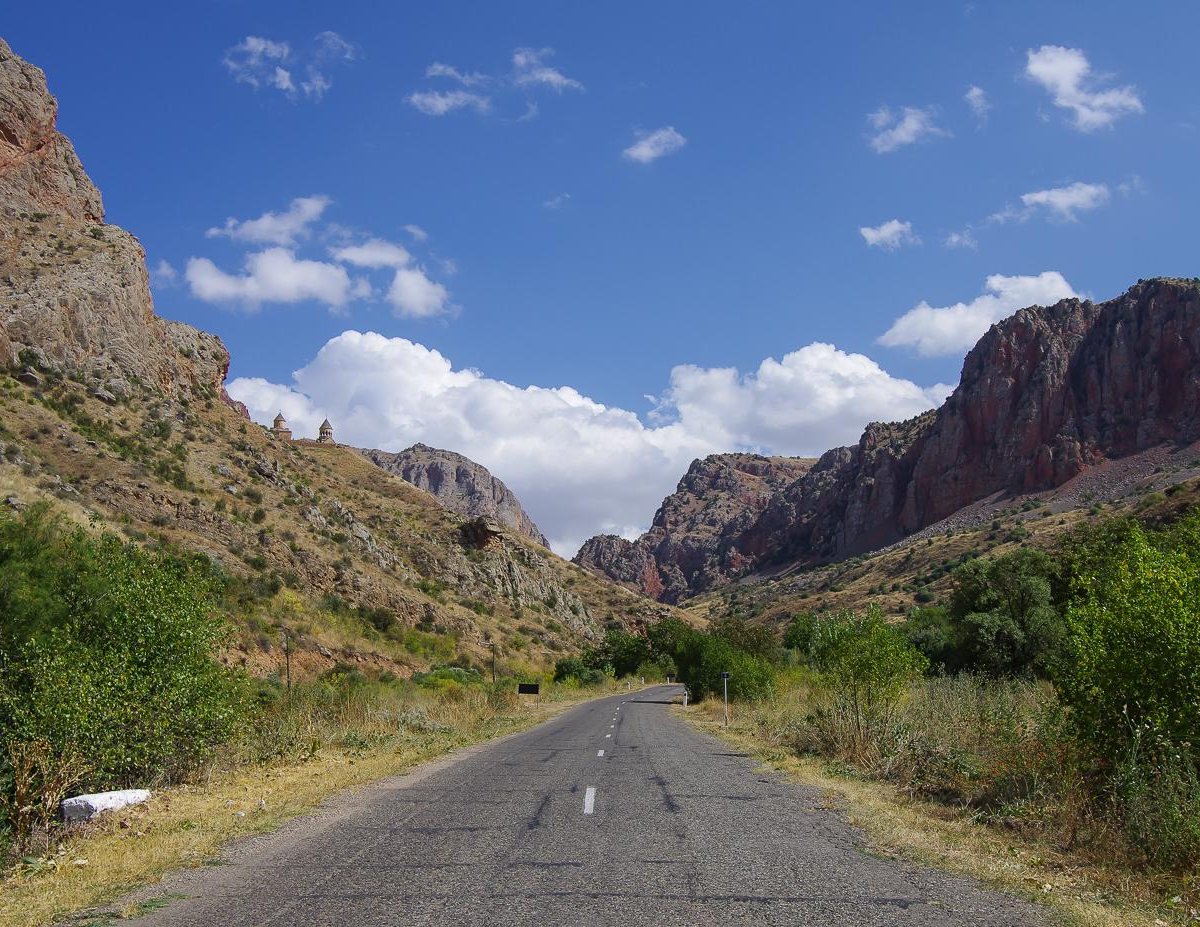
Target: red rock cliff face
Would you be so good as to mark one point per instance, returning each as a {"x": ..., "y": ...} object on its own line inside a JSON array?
[
  {"x": 74, "y": 294},
  {"x": 682, "y": 552},
  {"x": 1043, "y": 395}
]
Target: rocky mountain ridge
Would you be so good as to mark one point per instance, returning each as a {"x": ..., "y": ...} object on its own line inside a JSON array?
[
  {"x": 460, "y": 484},
  {"x": 76, "y": 292},
  {"x": 1044, "y": 395},
  {"x": 719, "y": 495}
]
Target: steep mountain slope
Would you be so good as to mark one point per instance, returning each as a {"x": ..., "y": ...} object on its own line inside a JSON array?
[
  {"x": 460, "y": 485},
  {"x": 682, "y": 552},
  {"x": 1045, "y": 395},
  {"x": 121, "y": 418}
]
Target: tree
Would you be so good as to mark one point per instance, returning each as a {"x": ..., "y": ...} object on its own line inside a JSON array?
[
  {"x": 108, "y": 651},
  {"x": 1002, "y": 618},
  {"x": 1134, "y": 639},
  {"x": 867, "y": 663}
]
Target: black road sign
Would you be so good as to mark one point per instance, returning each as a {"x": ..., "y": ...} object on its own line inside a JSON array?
[
  {"x": 724, "y": 675},
  {"x": 528, "y": 688}
]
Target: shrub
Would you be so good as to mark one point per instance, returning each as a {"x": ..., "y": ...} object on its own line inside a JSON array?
[
  {"x": 107, "y": 651},
  {"x": 1158, "y": 793},
  {"x": 1001, "y": 619},
  {"x": 867, "y": 663},
  {"x": 1135, "y": 641}
]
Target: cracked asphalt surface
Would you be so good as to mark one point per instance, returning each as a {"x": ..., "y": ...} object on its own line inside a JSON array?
[{"x": 681, "y": 831}]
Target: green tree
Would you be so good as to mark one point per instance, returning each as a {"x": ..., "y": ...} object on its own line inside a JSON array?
[
  {"x": 867, "y": 663},
  {"x": 108, "y": 650},
  {"x": 1001, "y": 619},
  {"x": 1134, "y": 639}
]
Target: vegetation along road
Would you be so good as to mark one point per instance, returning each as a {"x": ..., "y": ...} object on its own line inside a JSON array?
[{"x": 616, "y": 812}]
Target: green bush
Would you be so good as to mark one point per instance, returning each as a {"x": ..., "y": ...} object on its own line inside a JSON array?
[
  {"x": 1158, "y": 794},
  {"x": 107, "y": 650},
  {"x": 1134, "y": 638},
  {"x": 1003, "y": 618},
  {"x": 867, "y": 659}
]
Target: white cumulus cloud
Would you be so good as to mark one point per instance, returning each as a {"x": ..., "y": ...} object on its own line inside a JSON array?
[
  {"x": 530, "y": 70},
  {"x": 373, "y": 253},
  {"x": 1068, "y": 77},
  {"x": 894, "y": 129},
  {"x": 275, "y": 275},
  {"x": 942, "y": 330},
  {"x": 977, "y": 99},
  {"x": 890, "y": 236},
  {"x": 261, "y": 62},
  {"x": 275, "y": 228},
  {"x": 581, "y": 467},
  {"x": 164, "y": 274},
  {"x": 441, "y": 102},
  {"x": 1065, "y": 203},
  {"x": 650, "y": 146},
  {"x": 963, "y": 238},
  {"x": 437, "y": 69},
  {"x": 413, "y": 295}
]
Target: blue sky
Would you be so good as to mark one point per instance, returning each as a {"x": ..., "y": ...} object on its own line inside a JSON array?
[{"x": 687, "y": 225}]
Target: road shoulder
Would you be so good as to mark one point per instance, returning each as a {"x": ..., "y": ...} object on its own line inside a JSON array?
[{"x": 897, "y": 827}]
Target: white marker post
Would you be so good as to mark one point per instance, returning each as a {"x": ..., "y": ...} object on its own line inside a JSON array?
[{"x": 725, "y": 683}]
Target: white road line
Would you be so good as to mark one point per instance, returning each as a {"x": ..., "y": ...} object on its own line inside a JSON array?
[
  {"x": 599, "y": 753},
  {"x": 608, "y": 735},
  {"x": 589, "y": 799}
]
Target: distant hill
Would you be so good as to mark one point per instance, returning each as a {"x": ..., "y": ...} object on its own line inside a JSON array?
[
  {"x": 683, "y": 552},
  {"x": 460, "y": 485}
]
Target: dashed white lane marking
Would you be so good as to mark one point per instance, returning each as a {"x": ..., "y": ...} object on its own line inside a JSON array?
[
  {"x": 599, "y": 753},
  {"x": 608, "y": 735},
  {"x": 589, "y": 800}
]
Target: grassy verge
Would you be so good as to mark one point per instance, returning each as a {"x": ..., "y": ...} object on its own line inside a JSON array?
[
  {"x": 188, "y": 825},
  {"x": 1080, "y": 891}
]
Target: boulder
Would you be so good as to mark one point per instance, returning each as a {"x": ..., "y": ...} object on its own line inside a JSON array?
[{"x": 86, "y": 807}]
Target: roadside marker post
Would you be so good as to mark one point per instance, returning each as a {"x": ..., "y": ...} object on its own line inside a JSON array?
[
  {"x": 725, "y": 683},
  {"x": 287, "y": 657},
  {"x": 530, "y": 688}
]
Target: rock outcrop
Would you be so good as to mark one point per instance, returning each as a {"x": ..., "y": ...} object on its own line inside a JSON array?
[
  {"x": 684, "y": 550},
  {"x": 1045, "y": 394},
  {"x": 460, "y": 484},
  {"x": 74, "y": 294}
]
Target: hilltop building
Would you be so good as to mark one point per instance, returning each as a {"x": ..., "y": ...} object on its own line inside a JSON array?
[{"x": 280, "y": 428}]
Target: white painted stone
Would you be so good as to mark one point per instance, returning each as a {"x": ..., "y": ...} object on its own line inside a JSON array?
[{"x": 86, "y": 807}]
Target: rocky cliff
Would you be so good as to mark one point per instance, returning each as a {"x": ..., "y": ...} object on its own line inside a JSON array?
[
  {"x": 460, "y": 485},
  {"x": 74, "y": 295},
  {"x": 684, "y": 550},
  {"x": 1044, "y": 395}
]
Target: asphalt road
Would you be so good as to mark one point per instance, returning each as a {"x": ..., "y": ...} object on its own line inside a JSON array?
[{"x": 615, "y": 812}]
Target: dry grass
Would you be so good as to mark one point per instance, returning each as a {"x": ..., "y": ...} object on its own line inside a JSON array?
[
  {"x": 188, "y": 825},
  {"x": 1079, "y": 891}
]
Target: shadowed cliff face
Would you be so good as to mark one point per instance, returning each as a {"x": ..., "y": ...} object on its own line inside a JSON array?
[
  {"x": 74, "y": 295},
  {"x": 460, "y": 485},
  {"x": 683, "y": 551},
  {"x": 1045, "y": 394}
]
